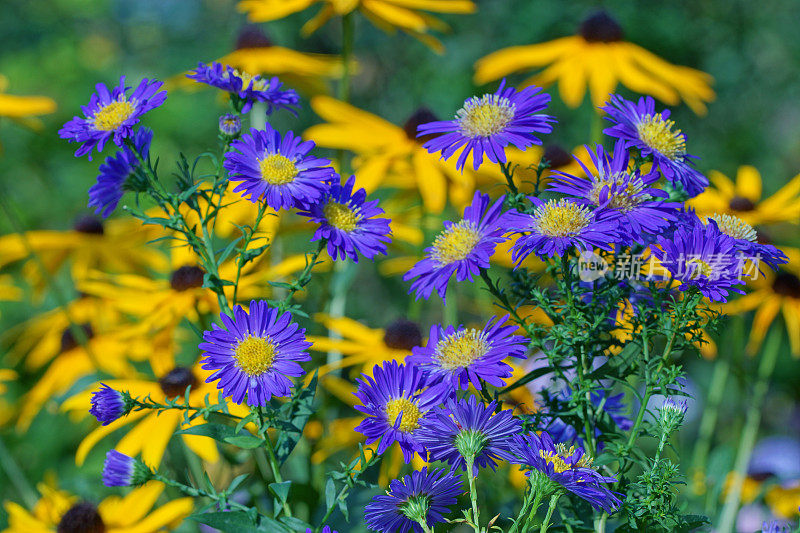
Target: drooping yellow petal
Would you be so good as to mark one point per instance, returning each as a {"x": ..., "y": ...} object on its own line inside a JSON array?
[
  {"x": 23, "y": 106},
  {"x": 317, "y": 21},
  {"x": 394, "y": 15},
  {"x": 791, "y": 315},
  {"x": 503, "y": 62},
  {"x": 349, "y": 328},
  {"x": 101, "y": 432},
  {"x": 371, "y": 172},
  {"x": 602, "y": 73},
  {"x": 438, "y": 6},
  {"x": 748, "y": 183},
  {"x": 431, "y": 182},
  {"x": 631, "y": 76},
  {"x": 763, "y": 319},
  {"x": 266, "y": 10},
  {"x": 124, "y": 511},
  {"x": 169, "y": 513}
]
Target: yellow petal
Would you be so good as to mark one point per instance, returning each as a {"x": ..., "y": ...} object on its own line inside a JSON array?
[
  {"x": 602, "y": 74},
  {"x": 23, "y": 106},
  {"x": 438, "y": 6},
  {"x": 394, "y": 15},
  {"x": 431, "y": 182},
  {"x": 765, "y": 315},
  {"x": 503, "y": 62},
  {"x": 125, "y": 511},
  {"x": 748, "y": 183},
  {"x": 266, "y": 10}
]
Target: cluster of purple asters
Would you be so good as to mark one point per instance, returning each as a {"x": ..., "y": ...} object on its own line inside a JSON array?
[{"x": 245, "y": 88}]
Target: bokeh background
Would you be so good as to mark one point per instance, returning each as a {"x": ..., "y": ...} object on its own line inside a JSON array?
[{"x": 61, "y": 48}]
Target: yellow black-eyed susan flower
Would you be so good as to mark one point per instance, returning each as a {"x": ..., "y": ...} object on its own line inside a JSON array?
[
  {"x": 599, "y": 57},
  {"x": 389, "y": 15},
  {"x": 58, "y": 510},
  {"x": 744, "y": 198}
]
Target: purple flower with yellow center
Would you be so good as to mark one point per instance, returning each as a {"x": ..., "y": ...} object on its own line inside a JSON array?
[
  {"x": 117, "y": 173},
  {"x": 120, "y": 470},
  {"x": 109, "y": 404},
  {"x": 489, "y": 123},
  {"x": 463, "y": 356},
  {"x": 397, "y": 402},
  {"x": 466, "y": 431},
  {"x": 278, "y": 170},
  {"x": 555, "y": 226},
  {"x": 230, "y": 125},
  {"x": 653, "y": 134},
  {"x": 626, "y": 194},
  {"x": 347, "y": 221},
  {"x": 112, "y": 114},
  {"x": 246, "y": 88},
  {"x": 746, "y": 239},
  {"x": 462, "y": 249},
  {"x": 554, "y": 468},
  {"x": 424, "y": 496},
  {"x": 255, "y": 354},
  {"x": 699, "y": 255}
]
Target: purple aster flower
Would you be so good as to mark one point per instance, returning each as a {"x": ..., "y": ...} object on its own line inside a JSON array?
[
  {"x": 230, "y": 125},
  {"x": 466, "y": 428},
  {"x": 116, "y": 172},
  {"x": 640, "y": 208},
  {"x": 613, "y": 406},
  {"x": 423, "y": 496},
  {"x": 555, "y": 467},
  {"x": 109, "y": 405},
  {"x": 277, "y": 169},
  {"x": 112, "y": 115},
  {"x": 557, "y": 225},
  {"x": 746, "y": 240},
  {"x": 246, "y": 88},
  {"x": 775, "y": 526},
  {"x": 120, "y": 470},
  {"x": 639, "y": 126},
  {"x": 396, "y": 402},
  {"x": 463, "y": 248},
  {"x": 699, "y": 255},
  {"x": 325, "y": 529},
  {"x": 489, "y": 123},
  {"x": 777, "y": 456},
  {"x": 346, "y": 221},
  {"x": 255, "y": 354},
  {"x": 463, "y": 356}
]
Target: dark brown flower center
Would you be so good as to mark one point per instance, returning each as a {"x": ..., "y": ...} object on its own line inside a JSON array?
[
  {"x": 81, "y": 518},
  {"x": 187, "y": 277},
  {"x": 252, "y": 36},
  {"x": 556, "y": 156},
  {"x": 174, "y": 383},
  {"x": 786, "y": 284},
  {"x": 403, "y": 334},
  {"x": 600, "y": 27},
  {"x": 740, "y": 203},
  {"x": 423, "y": 115},
  {"x": 68, "y": 340},
  {"x": 88, "y": 224}
]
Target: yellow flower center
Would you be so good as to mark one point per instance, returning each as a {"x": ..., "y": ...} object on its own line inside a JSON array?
[
  {"x": 657, "y": 133},
  {"x": 255, "y": 355},
  {"x": 411, "y": 413},
  {"x": 461, "y": 349},
  {"x": 558, "y": 459},
  {"x": 277, "y": 169},
  {"x": 734, "y": 226},
  {"x": 259, "y": 84},
  {"x": 485, "y": 116},
  {"x": 456, "y": 242},
  {"x": 113, "y": 115},
  {"x": 561, "y": 218},
  {"x": 623, "y": 199},
  {"x": 340, "y": 216},
  {"x": 696, "y": 267}
]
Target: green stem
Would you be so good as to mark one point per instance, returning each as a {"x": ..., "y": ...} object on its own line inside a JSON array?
[
  {"x": 473, "y": 494},
  {"x": 344, "y": 490},
  {"x": 17, "y": 477},
  {"x": 550, "y": 509},
  {"x": 424, "y": 526},
  {"x": 526, "y": 504},
  {"x": 195, "y": 492},
  {"x": 305, "y": 276},
  {"x": 661, "y": 444},
  {"x": 506, "y": 168},
  {"x": 769, "y": 356},
  {"x": 273, "y": 463},
  {"x": 500, "y": 295},
  {"x": 537, "y": 501}
]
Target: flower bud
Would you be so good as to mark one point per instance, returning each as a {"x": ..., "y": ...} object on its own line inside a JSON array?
[
  {"x": 109, "y": 405},
  {"x": 120, "y": 470}
]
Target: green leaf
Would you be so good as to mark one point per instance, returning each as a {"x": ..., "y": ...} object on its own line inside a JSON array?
[
  {"x": 218, "y": 432},
  {"x": 245, "y": 441},
  {"x": 330, "y": 494},
  {"x": 299, "y": 410},
  {"x": 238, "y": 521},
  {"x": 236, "y": 482},
  {"x": 295, "y": 524},
  {"x": 281, "y": 490}
]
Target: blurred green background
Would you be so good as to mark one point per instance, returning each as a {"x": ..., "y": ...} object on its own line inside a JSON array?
[{"x": 61, "y": 48}]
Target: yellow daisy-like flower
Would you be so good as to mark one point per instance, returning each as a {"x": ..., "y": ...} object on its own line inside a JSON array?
[
  {"x": 389, "y": 155},
  {"x": 58, "y": 510},
  {"x": 111, "y": 246},
  {"x": 152, "y": 431},
  {"x": 773, "y": 293},
  {"x": 599, "y": 58},
  {"x": 389, "y": 15},
  {"x": 363, "y": 347},
  {"x": 743, "y": 198},
  {"x": 24, "y": 109},
  {"x": 255, "y": 53}
]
